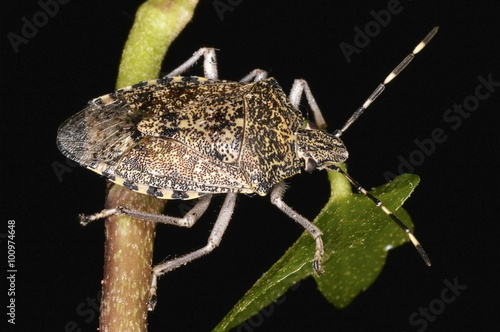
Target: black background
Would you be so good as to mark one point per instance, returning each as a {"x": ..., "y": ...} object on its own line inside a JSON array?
[{"x": 75, "y": 57}]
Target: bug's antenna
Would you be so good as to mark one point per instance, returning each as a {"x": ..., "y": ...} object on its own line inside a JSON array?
[
  {"x": 377, "y": 202},
  {"x": 378, "y": 91}
]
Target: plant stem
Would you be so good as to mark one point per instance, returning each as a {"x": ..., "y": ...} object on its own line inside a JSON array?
[{"x": 129, "y": 242}]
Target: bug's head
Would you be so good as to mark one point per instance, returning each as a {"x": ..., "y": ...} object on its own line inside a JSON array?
[{"x": 318, "y": 149}]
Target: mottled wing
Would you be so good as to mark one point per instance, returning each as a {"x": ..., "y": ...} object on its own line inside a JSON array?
[
  {"x": 173, "y": 137},
  {"x": 166, "y": 168},
  {"x": 211, "y": 123},
  {"x": 98, "y": 134}
]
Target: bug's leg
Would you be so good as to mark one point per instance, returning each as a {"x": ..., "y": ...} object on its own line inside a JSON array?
[
  {"x": 209, "y": 63},
  {"x": 277, "y": 199},
  {"x": 188, "y": 220},
  {"x": 255, "y": 75},
  {"x": 213, "y": 241},
  {"x": 300, "y": 86}
]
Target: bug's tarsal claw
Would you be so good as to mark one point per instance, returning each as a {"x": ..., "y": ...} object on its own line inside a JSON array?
[
  {"x": 84, "y": 219},
  {"x": 153, "y": 298},
  {"x": 152, "y": 302},
  {"x": 317, "y": 267},
  {"x": 318, "y": 256}
]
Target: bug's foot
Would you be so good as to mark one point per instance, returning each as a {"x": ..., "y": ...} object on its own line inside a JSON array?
[
  {"x": 318, "y": 255},
  {"x": 317, "y": 267},
  {"x": 86, "y": 219},
  {"x": 153, "y": 298}
]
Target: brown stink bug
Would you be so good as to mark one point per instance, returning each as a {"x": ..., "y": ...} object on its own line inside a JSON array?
[{"x": 191, "y": 137}]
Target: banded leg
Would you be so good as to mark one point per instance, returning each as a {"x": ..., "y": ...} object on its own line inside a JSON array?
[
  {"x": 377, "y": 202},
  {"x": 189, "y": 219},
  {"x": 277, "y": 199},
  {"x": 213, "y": 241}
]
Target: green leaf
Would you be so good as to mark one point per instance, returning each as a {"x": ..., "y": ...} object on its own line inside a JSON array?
[{"x": 357, "y": 236}]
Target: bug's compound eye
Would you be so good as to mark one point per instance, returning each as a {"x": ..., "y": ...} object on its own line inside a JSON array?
[
  {"x": 310, "y": 125},
  {"x": 310, "y": 165}
]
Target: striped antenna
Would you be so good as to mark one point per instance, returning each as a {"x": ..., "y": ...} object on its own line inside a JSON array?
[{"x": 378, "y": 91}]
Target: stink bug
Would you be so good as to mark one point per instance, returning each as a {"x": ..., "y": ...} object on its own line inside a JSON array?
[{"x": 191, "y": 137}]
